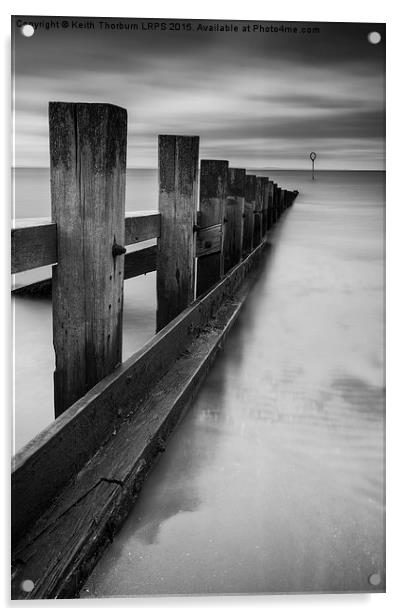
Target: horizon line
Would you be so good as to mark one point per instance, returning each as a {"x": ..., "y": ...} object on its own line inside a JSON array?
[{"x": 248, "y": 167}]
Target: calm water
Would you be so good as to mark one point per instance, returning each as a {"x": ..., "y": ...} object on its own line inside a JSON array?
[
  {"x": 34, "y": 356},
  {"x": 274, "y": 481}
]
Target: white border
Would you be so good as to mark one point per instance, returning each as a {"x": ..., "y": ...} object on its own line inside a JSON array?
[{"x": 314, "y": 10}]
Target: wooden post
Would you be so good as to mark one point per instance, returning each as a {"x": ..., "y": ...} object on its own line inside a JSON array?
[
  {"x": 178, "y": 166},
  {"x": 265, "y": 204},
  {"x": 88, "y": 174},
  {"x": 276, "y": 210},
  {"x": 249, "y": 216},
  {"x": 270, "y": 217},
  {"x": 213, "y": 195},
  {"x": 233, "y": 218},
  {"x": 257, "y": 225}
]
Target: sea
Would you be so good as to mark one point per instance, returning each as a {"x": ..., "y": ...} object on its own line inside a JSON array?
[{"x": 275, "y": 480}]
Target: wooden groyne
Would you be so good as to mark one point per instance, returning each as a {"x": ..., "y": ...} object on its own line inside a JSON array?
[{"x": 74, "y": 483}]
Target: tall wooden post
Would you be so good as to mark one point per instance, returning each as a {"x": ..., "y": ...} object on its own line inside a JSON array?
[
  {"x": 178, "y": 167},
  {"x": 257, "y": 225},
  {"x": 88, "y": 174},
  {"x": 265, "y": 204},
  {"x": 275, "y": 202},
  {"x": 249, "y": 216},
  {"x": 213, "y": 195},
  {"x": 270, "y": 217},
  {"x": 234, "y": 210}
]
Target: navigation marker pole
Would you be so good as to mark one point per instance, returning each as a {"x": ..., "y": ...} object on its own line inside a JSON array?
[{"x": 312, "y": 156}]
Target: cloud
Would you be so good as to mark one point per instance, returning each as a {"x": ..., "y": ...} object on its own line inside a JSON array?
[{"x": 246, "y": 96}]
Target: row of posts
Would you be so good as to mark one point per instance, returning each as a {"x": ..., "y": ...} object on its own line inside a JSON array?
[
  {"x": 235, "y": 211},
  {"x": 88, "y": 143}
]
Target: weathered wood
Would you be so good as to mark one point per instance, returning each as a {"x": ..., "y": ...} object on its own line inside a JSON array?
[
  {"x": 34, "y": 240},
  {"x": 249, "y": 216},
  {"x": 233, "y": 217},
  {"x": 46, "y": 464},
  {"x": 140, "y": 262},
  {"x": 33, "y": 244},
  {"x": 88, "y": 175},
  {"x": 209, "y": 240},
  {"x": 137, "y": 263},
  {"x": 141, "y": 226},
  {"x": 265, "y": 204},
  {"x": 61, "y": 548},
  {"x": 213, "y": 194},
  {"x": 178, "y": 166},
  {"x": 257, "y": 223}
]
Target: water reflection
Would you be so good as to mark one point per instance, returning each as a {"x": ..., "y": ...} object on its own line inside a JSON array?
[{"x": 274, "y": 482}]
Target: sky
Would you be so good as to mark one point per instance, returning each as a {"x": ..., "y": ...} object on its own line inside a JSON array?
[{"x": 257, "y": 99}]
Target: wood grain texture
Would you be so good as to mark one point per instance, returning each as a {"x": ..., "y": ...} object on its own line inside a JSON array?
[
  {"x": 62, "y": 546},
  {"x": 33, "y": 244},
  {"x": 136, "y": 263},
  {"x": 34, "y": 240},
  {"x": 234, "y": 210},
  {"x": 88, "y": 175},
  {"x": 178, "y": 168},
  {"x": 213, "y": 194},
  {"x": 47, "y": 463},
  {"x": 141, "y": 226},
  {"x": 209, "y": 240},
  {"x": 249, "y": 216}
]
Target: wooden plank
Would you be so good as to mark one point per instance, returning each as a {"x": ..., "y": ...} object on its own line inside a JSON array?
[
  {"x": 213, "y": 194},
  {"x": 178, "y": 166},
  {"x": 34, "y": 240},
  {"x": 62, "y": 546},
  {"x": 249, "y": 216},
  {"x": 88, "y": 175},
  {"x": 140, "y": 262},
  {"x": 47, "y": 463},
  {"x": 233, "y": 218},
  {"x": 33, "y": 244},
  {"x": 209, "y": 240},
  {"x": 137, "y": 263},
  {"x": 265, "y": 204},
  {"x": 257, "y": 222},
  {"x": 141, "y": 226}
]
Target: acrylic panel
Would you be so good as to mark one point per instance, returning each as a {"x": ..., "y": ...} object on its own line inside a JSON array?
[{"x": 198, "y": 288}]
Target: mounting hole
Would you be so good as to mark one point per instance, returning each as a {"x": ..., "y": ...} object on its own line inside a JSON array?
[
  {"x": 374, "y": 38},
  {"x": 374, "y": 579},
  {"x": 27, "y": 585},
  {"x": 27, "y": 30}
]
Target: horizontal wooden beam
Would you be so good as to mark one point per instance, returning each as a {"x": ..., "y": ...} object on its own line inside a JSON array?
[
  {"x": 147, "y": 396},
  {"x": 137, "y": 263},
  {"x": 208, "y": 240},
  {"x": 141, "y": 226},
  {"x": 53, "y": 457},
  {"x": 140, "y": 262},
  {"x": 33, "y": 244},
  {"x": 34, "y": 241}
]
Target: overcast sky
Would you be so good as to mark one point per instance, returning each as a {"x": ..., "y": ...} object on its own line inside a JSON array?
[{"x": 257, "y": 100}]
